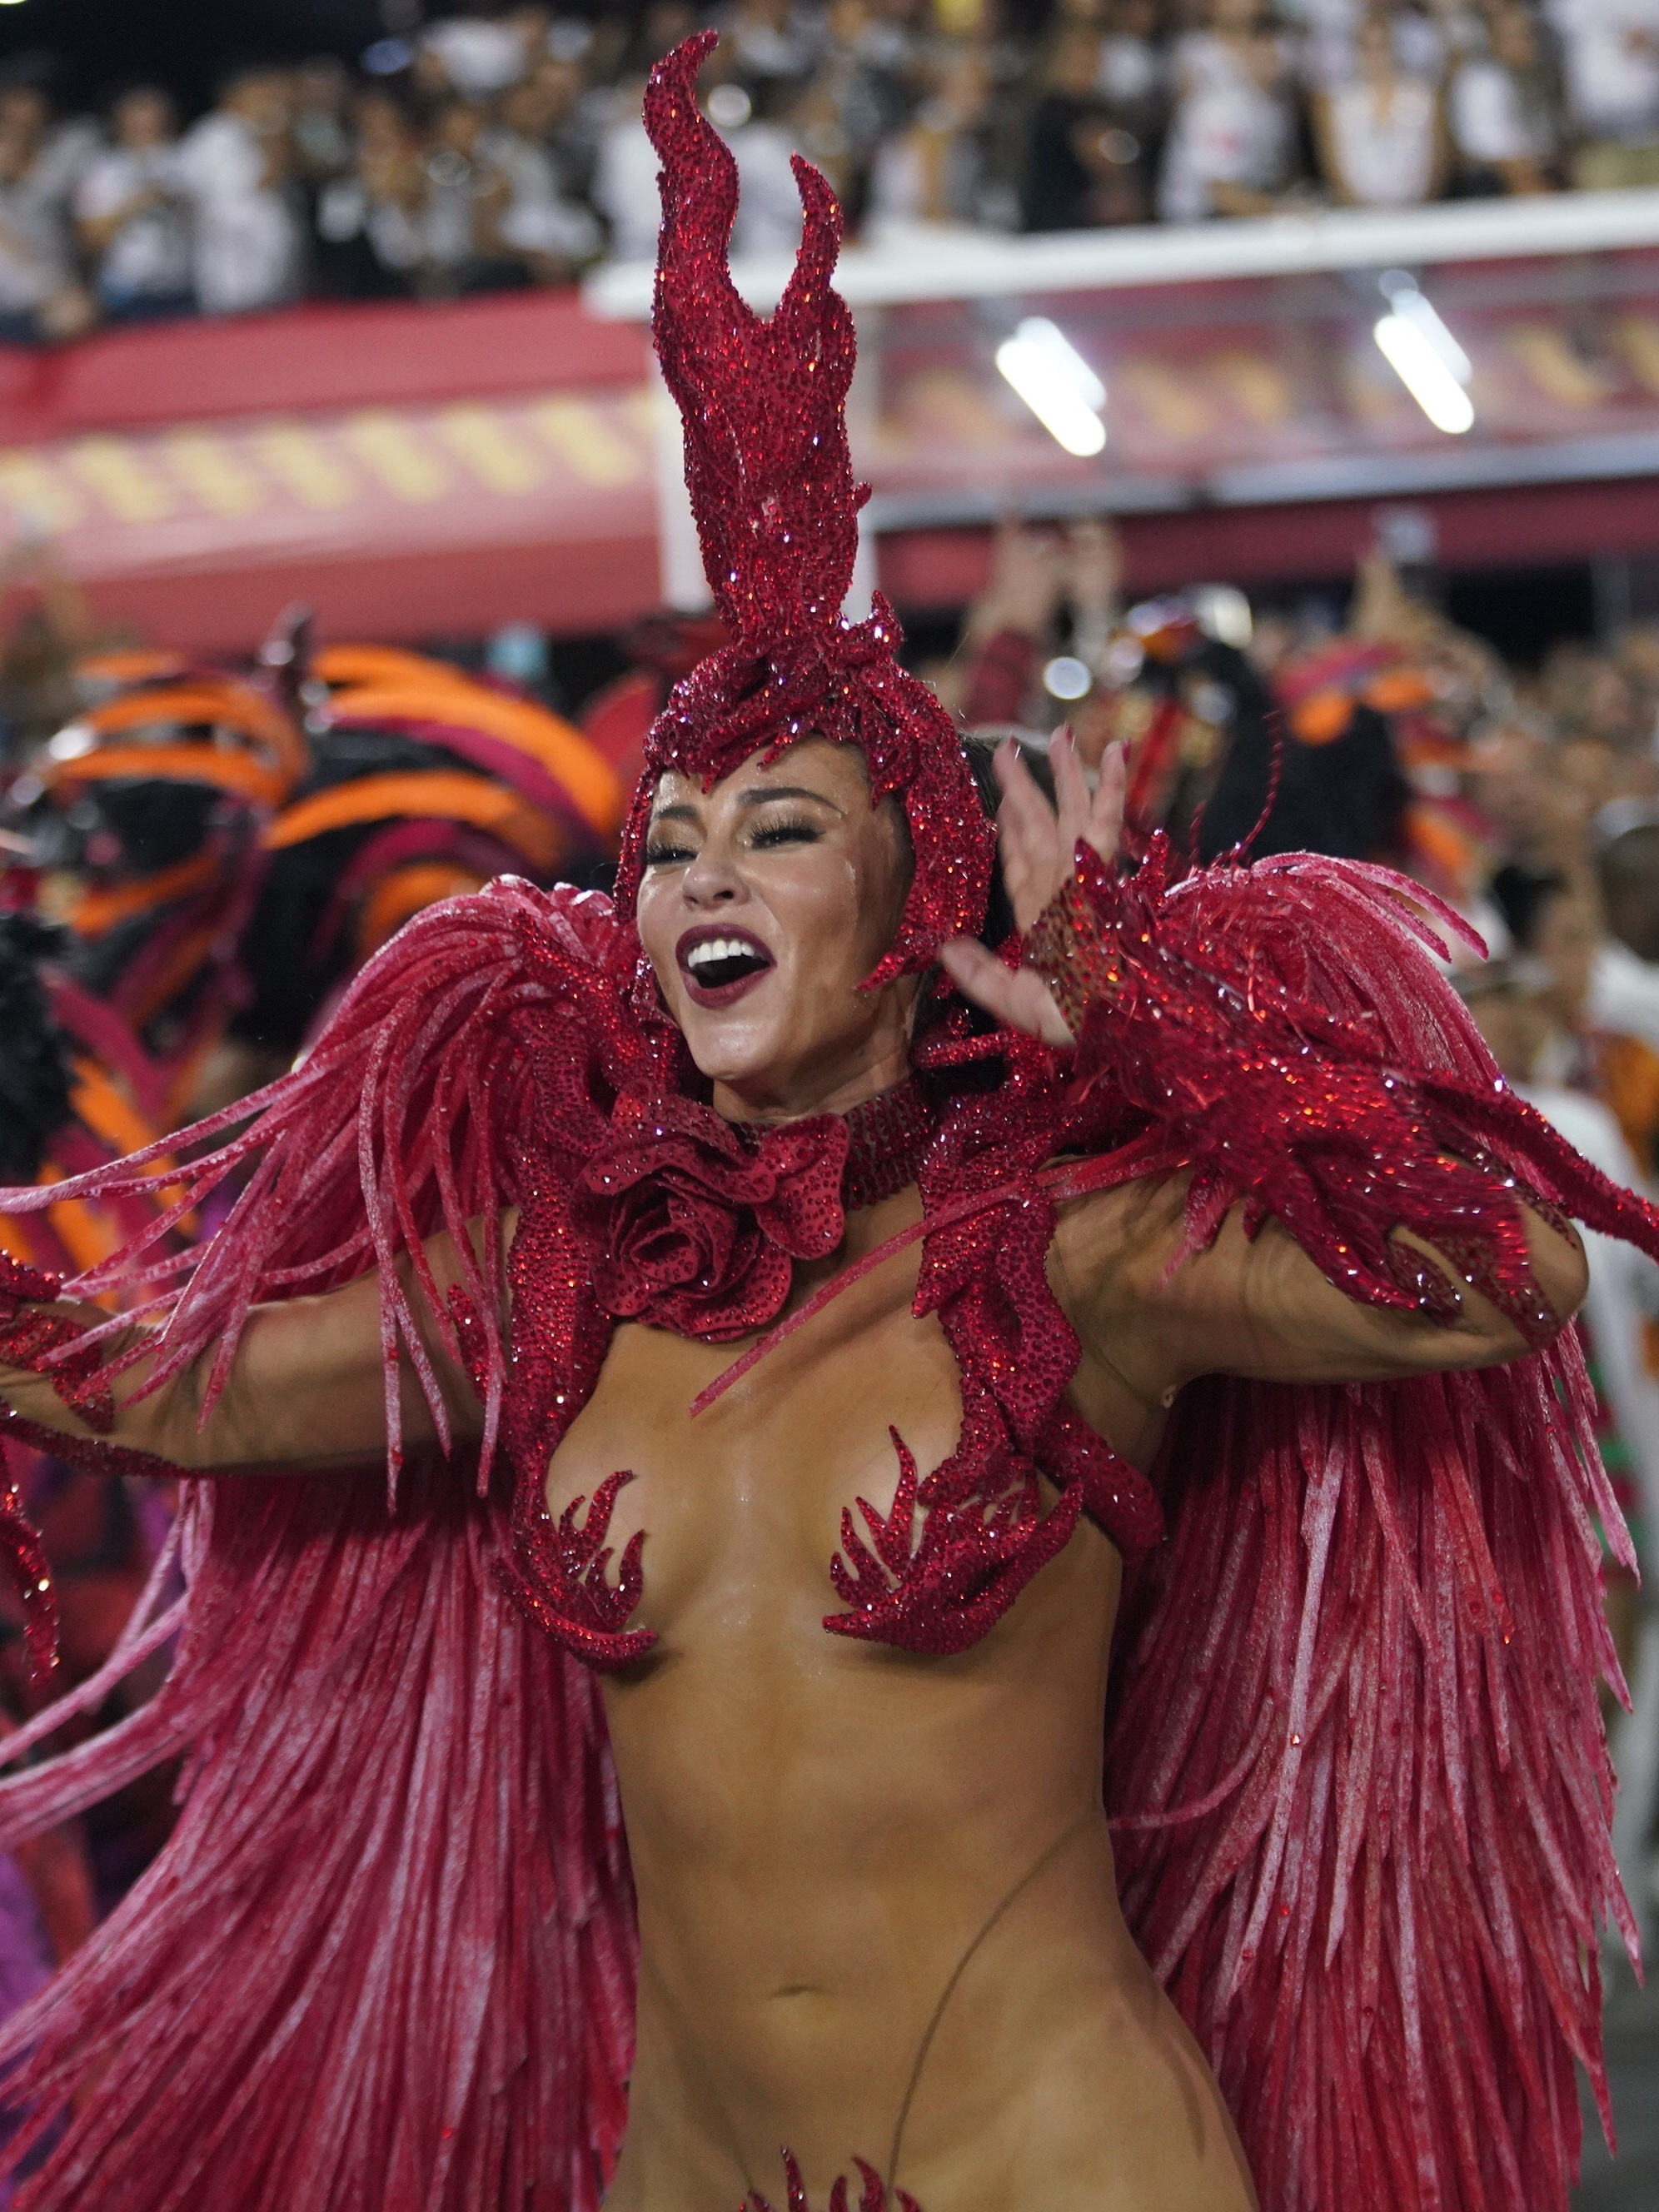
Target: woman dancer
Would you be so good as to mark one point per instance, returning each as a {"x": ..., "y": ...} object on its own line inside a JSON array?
[{"x": 1143, "y": 1337}]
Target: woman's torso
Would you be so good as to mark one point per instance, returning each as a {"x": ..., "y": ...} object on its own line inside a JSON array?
[
  {"x": 839, "y": 1846},
  {"x": 1232, "y": 122},
  {"x": 1384, "y": 138}
]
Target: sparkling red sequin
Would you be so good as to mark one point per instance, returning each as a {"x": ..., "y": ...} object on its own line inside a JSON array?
[
  {"x": 566, "y": 1592},
  {"x": 28, "y": 1336}
]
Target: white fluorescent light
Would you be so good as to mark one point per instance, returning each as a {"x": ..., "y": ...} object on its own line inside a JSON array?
[
  {"x": 1418, "y": 364},
  {"x": 1056, "y": 384},
  {"x": 1057, "y": 349},
  {"x": 1412, "y": 307}
]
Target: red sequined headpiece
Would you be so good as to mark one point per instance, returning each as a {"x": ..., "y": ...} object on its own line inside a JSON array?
[{"x": 771, "y": 482}]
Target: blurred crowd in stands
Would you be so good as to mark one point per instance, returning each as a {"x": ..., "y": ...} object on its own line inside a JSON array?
[{"x": 502, "y": 147}]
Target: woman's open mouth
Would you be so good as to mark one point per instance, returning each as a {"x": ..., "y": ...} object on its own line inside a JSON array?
[{"x": 719, "y": 965}]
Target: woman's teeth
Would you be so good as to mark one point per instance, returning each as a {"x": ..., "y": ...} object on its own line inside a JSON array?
[{"x": 721, "y": 960}]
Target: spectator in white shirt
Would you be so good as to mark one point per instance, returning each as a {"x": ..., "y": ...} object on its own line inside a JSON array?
[
  {"x": 625, "y": 179},
  {"x": 1625, "y": 990},
  {"x": 1381, "y": 143},
  {"x": 62, "y": 150},
  {"x": 466, "y": 195},
  {"x": 769, "y": 40},
  {"x": 938, "y": 171},
  {"x": 552, "y": 232},
  {"x": 625, "y": 165},
  {"x": 235, "y": 164},
  {"x": 570, "y": 122},
  {"x": 863, "y": 90},
  {"x": 1501, "y": 110},
  {"x": 368, "y": 242},
  {"x": 768, "y": 203},
  {"x": 1231, "y": 148},
  {"x": 40, "y": 300},
  {"x": 1513, "y": 1019},
  {"x": 321, "y": 131},
  {"x": 132, "y": 215},
  {"x": 1423, "y": 37},
  {"x": 1134, "y": 71},
  {"x": 1611, "y": 51}
]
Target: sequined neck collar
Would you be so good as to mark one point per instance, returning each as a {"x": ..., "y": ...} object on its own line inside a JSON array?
[{"x": 886, "y": 1138}]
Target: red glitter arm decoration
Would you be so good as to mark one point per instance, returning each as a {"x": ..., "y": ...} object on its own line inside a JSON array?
[
  {"x": 30, "y": 1335},
  {"x": 1206, "y": 1012}
]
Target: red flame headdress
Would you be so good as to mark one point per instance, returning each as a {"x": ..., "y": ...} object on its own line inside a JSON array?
[{"x": 771, "y": 482}]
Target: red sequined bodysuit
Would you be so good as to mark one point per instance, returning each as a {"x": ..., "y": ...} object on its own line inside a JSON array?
[{"x": 1355, "y": 1768}]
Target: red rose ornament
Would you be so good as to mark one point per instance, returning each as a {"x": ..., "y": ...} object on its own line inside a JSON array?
[{"x": 696, "y": 1222}]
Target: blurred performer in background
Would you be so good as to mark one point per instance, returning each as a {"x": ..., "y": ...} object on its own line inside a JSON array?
[
  {"x": 144, "y": 821},
  {"x": 423, "y": 783},
  {"x": 203, "y": 925},
  {"x": 1164, "y": 1305},
  {"x": 138, "y": 826}
]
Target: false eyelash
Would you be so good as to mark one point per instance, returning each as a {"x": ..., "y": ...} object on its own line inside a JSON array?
[
  {"x": 787, "y": 832},
  {"x": 773, "y": 832}
]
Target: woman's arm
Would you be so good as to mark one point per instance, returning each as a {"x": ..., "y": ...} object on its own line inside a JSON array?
[
  {"x": 1327, "y": 146},
  {"x": 97, "y": 233},
  {"x": 1261, "y": 1307},
  {"x": 1343, "y": 1149},
  {"x": 305, "y": 1390}
]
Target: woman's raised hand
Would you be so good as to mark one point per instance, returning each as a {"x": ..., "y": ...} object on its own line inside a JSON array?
[{"x": 1038, "y": 844}]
